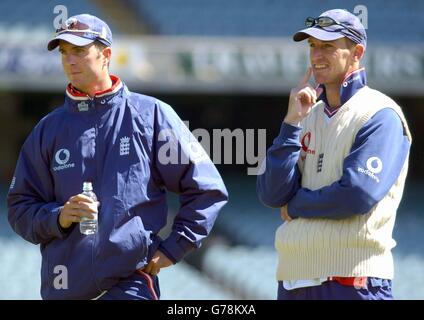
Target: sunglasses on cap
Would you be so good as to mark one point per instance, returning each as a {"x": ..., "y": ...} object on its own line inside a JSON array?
[
  {"x": 324, "y": 22},
  {"x": 75, "y": 26}
]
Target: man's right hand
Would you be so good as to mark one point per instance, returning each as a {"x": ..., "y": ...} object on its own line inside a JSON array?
[
  {"x": 302, "y": 98},
  {"x": 75, "y": 208}
]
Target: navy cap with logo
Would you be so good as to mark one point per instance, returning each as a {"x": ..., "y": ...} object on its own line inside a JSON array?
[
  {"x": 332, "y": 25},
  {"x": 81, "y": 30}
]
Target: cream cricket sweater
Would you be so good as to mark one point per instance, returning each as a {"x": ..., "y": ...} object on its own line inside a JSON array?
[{"x": 356, "y": 246}]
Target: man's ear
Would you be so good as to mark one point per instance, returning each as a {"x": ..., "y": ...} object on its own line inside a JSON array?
[
  {"x": 107, "y": 53},
  {"x": 359, "y": 52}
]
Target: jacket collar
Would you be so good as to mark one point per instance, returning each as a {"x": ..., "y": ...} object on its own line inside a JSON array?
[
  {"x": 80, "y": 101},
  {"x": 351, "y": 84}
]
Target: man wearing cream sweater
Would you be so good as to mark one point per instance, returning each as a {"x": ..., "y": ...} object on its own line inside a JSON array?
[{"x": 337, "y": 171}]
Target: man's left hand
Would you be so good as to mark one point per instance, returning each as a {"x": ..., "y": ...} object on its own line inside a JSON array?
[
  {"x": 158, "y": 261},
  {"x": 285, "y": 214}
]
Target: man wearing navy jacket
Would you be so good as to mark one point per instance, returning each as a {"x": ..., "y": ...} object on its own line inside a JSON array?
[
  {"x": 337, "y": 171},
  {"x": 121, "y": 142}
]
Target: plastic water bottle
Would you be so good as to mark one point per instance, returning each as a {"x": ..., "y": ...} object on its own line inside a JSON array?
[{"x": 89, "y": 226}]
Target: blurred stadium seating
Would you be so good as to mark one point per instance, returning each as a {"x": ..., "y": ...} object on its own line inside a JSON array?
[
  {"x": 33, "y": 14},
  {"x": 248, "y": 271},
  {"x": 399, "y": 21},
  {"x": 241, "y": 265}
]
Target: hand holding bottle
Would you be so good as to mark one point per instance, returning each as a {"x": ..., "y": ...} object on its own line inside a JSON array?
[{"x": 76, "y": 208}]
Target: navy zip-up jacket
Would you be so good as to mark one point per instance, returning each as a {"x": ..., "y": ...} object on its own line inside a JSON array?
[{"x": 133, "y": 148}]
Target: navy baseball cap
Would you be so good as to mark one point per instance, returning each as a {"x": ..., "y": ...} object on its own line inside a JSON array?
[
  {"x": 332, "y": 25},
  {"x": 81, "y": 30}
]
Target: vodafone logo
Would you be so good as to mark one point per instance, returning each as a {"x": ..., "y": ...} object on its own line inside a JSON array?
[
  {"x": 62, "y": 157},
  {"x": 305, "y": 141},
  {"x": 348, "y": 82},
  {"x": 374, "y": 165}
]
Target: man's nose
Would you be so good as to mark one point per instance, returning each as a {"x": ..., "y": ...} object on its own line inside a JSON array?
[
  {"x": 316, "y": 53},
  {"x": 70, "y": 59}
]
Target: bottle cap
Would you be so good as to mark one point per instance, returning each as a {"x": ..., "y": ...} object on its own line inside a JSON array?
[{"x": 87, "y": 185}]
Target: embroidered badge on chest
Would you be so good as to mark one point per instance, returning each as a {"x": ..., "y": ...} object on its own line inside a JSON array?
[
  {"x": 124, "y": 146},
  {"x": 320, "y": 160}
]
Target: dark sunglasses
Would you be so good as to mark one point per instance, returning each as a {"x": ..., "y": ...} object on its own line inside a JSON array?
[{"x": 324, "y": 22}]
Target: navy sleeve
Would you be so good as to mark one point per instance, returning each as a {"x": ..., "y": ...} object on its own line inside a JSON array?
[
  {"x": 281, "y": 177},
  {"x": 374, "y": 163},
  {"x": 32, "y": 210},
  {"x": 186, "y": 169}
]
